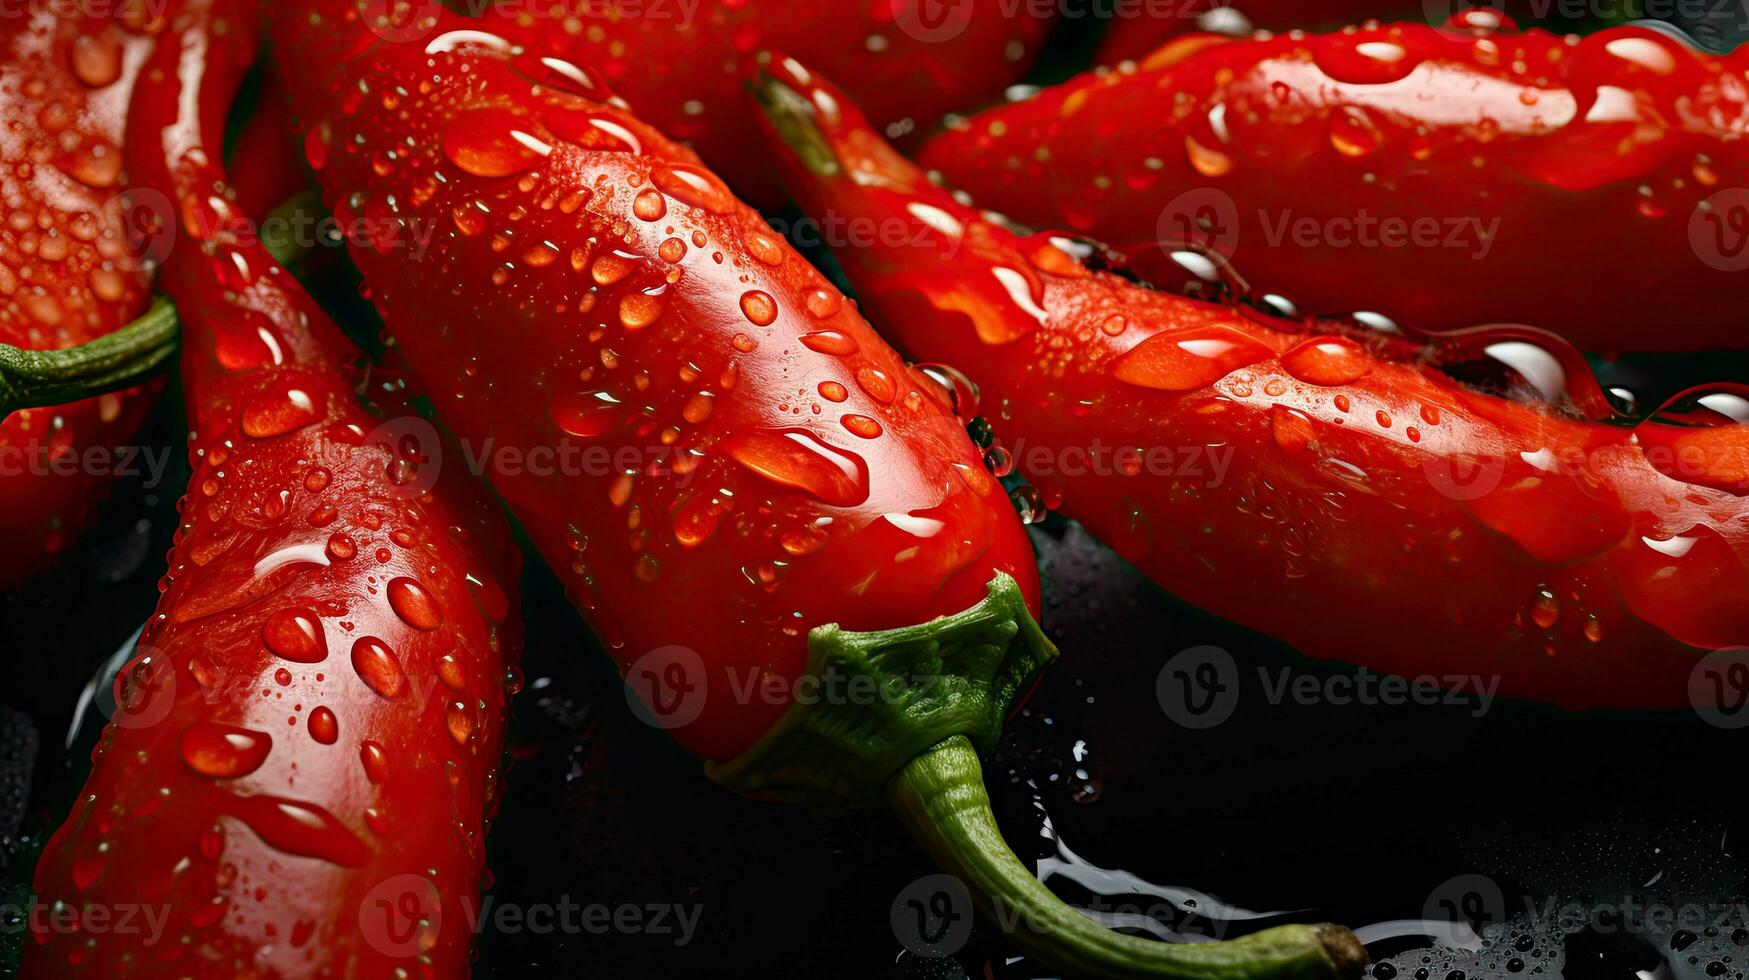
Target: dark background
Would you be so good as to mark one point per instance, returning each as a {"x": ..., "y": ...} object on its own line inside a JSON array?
[{"x": 1358, "y": 814}]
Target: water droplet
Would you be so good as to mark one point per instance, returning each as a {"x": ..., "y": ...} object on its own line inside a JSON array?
[
  {"x": 324, "y": 727},
  {"x": 876, "y": 384},
  {"x": 798, "y": 458},
  {"x": 650, "y": 205},
  {"x": 414, "y": 604},
  {"x": 693, "y": 185},
  {"x": 822, "y": 303},
  {"x": 1701, "y": 437},
  {"x": 759, "y": 307},
  {"x": 1545, "y": 608},
  {"x": 830, "y": 342},
  {"x": 1327, "y": 361},
  {"x": 223, "y": 751},
  {"x": 588, "y": 415},
  {"x": 379, "y": 667},
  {"x": 300, "y": 828},
  {"x": 1353, "y": 132},
  {"x": 639, "y": 310},
  {"x": 281, "y": 409},
  {"x": 862, "y": 425},
  {"x": 340, "y": 546},
  {"x": 375, "y": 760},
  {"x": 296, "y": 635},
  {"x": 1185, "y": 360},
  {"x": 492, "y": 143},
  {"x": 460, "y": 722},
  {"x": 1029, "y": 504}
]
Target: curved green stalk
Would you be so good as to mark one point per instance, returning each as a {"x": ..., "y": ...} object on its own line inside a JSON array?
[
  {"x": 940, "y": 796},
  {"x": 906, "y": 711},
  {"x": 36, "y": 378}
]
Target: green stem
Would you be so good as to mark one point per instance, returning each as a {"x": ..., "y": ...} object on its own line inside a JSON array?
[
  {"x": 36, "y": 378},
  {"x": 940, "y": 796}
]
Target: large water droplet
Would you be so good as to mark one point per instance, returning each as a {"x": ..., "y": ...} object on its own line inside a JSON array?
[
  {"x": 414, "y": 604},
  {"x": 223, "y": 751},
  {"x": 296, "y": 635},
  {"x": 379, "y": 667},
  {"x": 300, "y": 828},
  {"x": 1185, "y": 360},
  {"x": 798, "y": 458}
]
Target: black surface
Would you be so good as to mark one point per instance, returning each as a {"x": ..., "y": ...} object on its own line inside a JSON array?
[{"x": 1363, "y": 815}]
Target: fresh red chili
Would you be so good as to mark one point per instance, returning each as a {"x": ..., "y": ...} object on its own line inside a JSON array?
[
  {"x": 680, "y": 63},
  {"x": 66, "y": 275},
  {"x": 1538, "y": 538},
  {"x": 1137, "y": 31},
  {"x": 1442, "y": 178},
  {"x": 307, "y": 751},
  {"x": 749, "y": 496}
]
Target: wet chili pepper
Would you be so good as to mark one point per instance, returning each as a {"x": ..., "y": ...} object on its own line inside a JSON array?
[
  {"x": 780, "y": 531},
  {"x": 1441, "y": 178},
  {"x": 1349, "y": 496},
  {"x": 66, "y": 275},
  {"x": 306, "y": 753},
  {"x": 680, "y": 63},
  {"x": 1135, "y": 32}
]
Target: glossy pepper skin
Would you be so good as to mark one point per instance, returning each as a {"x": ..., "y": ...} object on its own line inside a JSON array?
[
  {"x": 680, "y": 63},
  {"x": 590, "y": 287},
  {"x": 1134, "y": 38},
  {"x": 744, "y": 488},
  {"x": 307, "y": 751},
  {"x": 66, "y": 273},
  {"x": 1374, "y": 509},
  {"x": 1579, "y": 185}
]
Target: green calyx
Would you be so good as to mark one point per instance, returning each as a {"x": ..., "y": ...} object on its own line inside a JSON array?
[
  {"x": 123, "y": 359},
  {"x": 902, "y": 714},
  {"x": 875, "y": 701}
]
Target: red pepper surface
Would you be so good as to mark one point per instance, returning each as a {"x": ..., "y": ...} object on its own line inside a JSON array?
[
  {"x": 757, "y": 506},
  {"x": 66, "y": 275},
  {"x": 681, "y": 63},
  {"x": 307, "y": 752},
  {"x": 1442, "y": 178},
  {"x": 1585, "y": 563},
  {"x": 1134, "y": 37}
]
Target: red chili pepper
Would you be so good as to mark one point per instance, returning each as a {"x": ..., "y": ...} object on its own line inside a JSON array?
[
  {"x": 758, "y": 507},
  {"x": 680, "y": 63},
  {"x": 1370, "y": 507},
  {"x": 66, "y": 275},
  {"x": 1444, "y": 179},
  {"x": 1136, "y": 34},
  {"x": 307, "y": 752}
]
